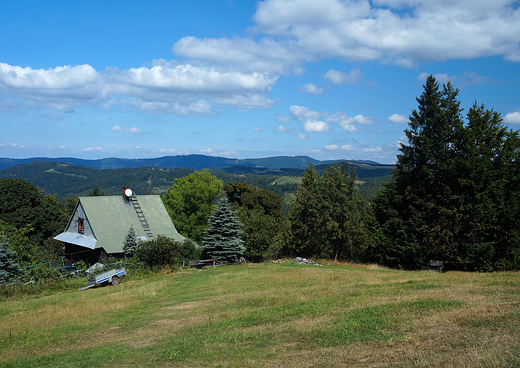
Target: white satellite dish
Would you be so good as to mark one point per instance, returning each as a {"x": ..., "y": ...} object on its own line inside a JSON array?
[{"x": 128, "y": 192}]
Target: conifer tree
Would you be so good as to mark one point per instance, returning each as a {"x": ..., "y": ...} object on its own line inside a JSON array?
[
  {"x": 453, "y": 195},
  {"x": 131, "y": 243},
  {"x": 8, "y": 267},
  {"x": 222, "y": 239}
]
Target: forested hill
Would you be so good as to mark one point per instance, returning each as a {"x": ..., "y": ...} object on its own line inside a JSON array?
[
  {"x": 197, "y": 162},
  {"x": 65, "y": 179}
]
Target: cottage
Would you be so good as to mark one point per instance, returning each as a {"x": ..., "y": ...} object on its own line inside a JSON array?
[{"x": 99, "y": 225}]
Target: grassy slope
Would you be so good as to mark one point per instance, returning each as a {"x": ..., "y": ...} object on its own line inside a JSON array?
[{"x": 271, "y": 315}]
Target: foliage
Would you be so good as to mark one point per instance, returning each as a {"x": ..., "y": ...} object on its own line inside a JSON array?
[
  {"x": 96, "y": 192},
  {"x": 8, "y": 266},
  {"x": 329, "y": 218},
  {"x": 158, "y": 252},
  {"x": 26, "y": 251},
  {"x": 264, "y": 223},
  {"x": 190, "y": 250},
  {"x": 24, "y": 206},
  {"x": 454, "y": 195},
  {"x": 51, "y": 251},
  {"x": 130, "y": 243},
  {"x": 189, "y": 203},
  {"x": 222, "y": 239}
]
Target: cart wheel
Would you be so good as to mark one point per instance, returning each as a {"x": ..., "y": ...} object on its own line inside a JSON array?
[{"x": 115, "y": 281}]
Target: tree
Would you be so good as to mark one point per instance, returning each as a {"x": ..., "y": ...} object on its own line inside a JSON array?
[
  {"x": 24, "y": 205},
  {"x": 8, "y": 267},
  {"x": 330, "y": 218},
  {"x": 130, "y": 243},
  {"x": 222, "y": 239},
  {"x": 161, "y": 251},
  {"x": 448, "y": 195},
  {"x": 189, "y": 203},
  {"x": 96, "y": 192},
  {"x": 264, "y": 223}
]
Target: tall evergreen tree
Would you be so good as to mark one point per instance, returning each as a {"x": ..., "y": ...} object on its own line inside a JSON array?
[
  {"x": 8, "y": 267},
  {"x": 447, "y": 196},
  {"x": 223, "y": 237},
  {"x": 130, "y": 243}
]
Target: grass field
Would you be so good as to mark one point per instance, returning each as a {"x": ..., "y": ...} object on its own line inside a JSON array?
[{"x": 271, "y": 315}]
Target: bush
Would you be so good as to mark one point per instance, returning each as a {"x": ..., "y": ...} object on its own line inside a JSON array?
[{"x": 159, "y": 252}]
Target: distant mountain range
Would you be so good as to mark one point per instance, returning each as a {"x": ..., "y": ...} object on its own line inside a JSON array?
[
  {"x": 71, "y": 176},
  {"x": 196, "y": 162}
]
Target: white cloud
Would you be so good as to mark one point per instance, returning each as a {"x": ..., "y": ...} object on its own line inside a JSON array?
[
  {"x": 117, "y": 128},
  {"x": 259, "y": 129},
  {"x": 302, "y": 137},
  {"x": 280, "y": 129},
  {"x": 332, "y": 147},
  {"x": 337, "y": 77},
  {"x": 303, "y": 114},
  {"x": 398, "y": 119},
  {"x": 165, "y": 87},
  {"x": 316, "y": 126},
  {"x": 206, "y": 150},
  {"x": 166, "y": 150},
  {"x": 311, "y": 88},
  {"x": 93, "y": 149},
  {"x": 512, "y": 118},
  {"x": 401, "y": 31},
  {"x": 245, "y": 102}
]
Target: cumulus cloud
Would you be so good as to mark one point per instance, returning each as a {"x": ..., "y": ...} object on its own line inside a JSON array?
[
  {"x": 118, "y": 128},
  {"x": 398, "y": 119},
  {"x": 512, "y": 118},
  {"x": 93, "y": 149},
  {"x": 401, "y": 31},
  {"x": 259, "y": 129},
  {"x": 337, "y": 77},
  {"x": 165, "y": 87},
  {"x": 311, "y": 88},
  {"x": 312, "y": 123},
  {"x": 316, "y": 126}
]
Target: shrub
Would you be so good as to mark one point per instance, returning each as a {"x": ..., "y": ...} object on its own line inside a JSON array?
[{"x": 159, "y": 252}]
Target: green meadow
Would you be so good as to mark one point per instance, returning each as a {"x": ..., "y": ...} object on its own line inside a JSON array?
[{"x": 271, "y": 315}]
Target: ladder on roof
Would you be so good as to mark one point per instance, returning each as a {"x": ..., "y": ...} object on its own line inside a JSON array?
[{"x": 140, "y": 215}]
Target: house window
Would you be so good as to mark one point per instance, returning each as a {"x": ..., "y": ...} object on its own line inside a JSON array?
[{"x": 80, "y": 225}]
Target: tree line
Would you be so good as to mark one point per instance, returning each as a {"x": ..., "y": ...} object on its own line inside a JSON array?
[{"x": 453, "y": 196}]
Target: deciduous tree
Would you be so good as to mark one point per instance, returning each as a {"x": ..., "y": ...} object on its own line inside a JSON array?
[
  {"x": 329, "y": 217},
  {"x": 189, "y": 203}
]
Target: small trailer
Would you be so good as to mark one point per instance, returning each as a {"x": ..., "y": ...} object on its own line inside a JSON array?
[{"x": 105, "y": 278}]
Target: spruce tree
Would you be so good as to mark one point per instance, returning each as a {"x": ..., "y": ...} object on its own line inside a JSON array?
[
  {"x": 131, "y": 243},
  {"x": 222, "y": 239},
  {"x": 8, "y": 267},
  {"x": 453, "y": 195}
]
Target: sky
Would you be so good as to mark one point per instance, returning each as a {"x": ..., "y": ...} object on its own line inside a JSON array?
[{"x": 328, "y": 79}]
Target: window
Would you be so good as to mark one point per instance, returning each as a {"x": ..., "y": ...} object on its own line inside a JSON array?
[{"x": 80, "y": 225}]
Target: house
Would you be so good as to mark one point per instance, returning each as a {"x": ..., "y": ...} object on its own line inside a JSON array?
[{"x": 100, "y": 224}]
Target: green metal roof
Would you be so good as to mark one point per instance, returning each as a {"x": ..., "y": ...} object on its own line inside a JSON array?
[{"x": 110, "y": 218}]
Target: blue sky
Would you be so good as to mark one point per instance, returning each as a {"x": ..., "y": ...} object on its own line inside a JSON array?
[{"x": 329, "y": 79}]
